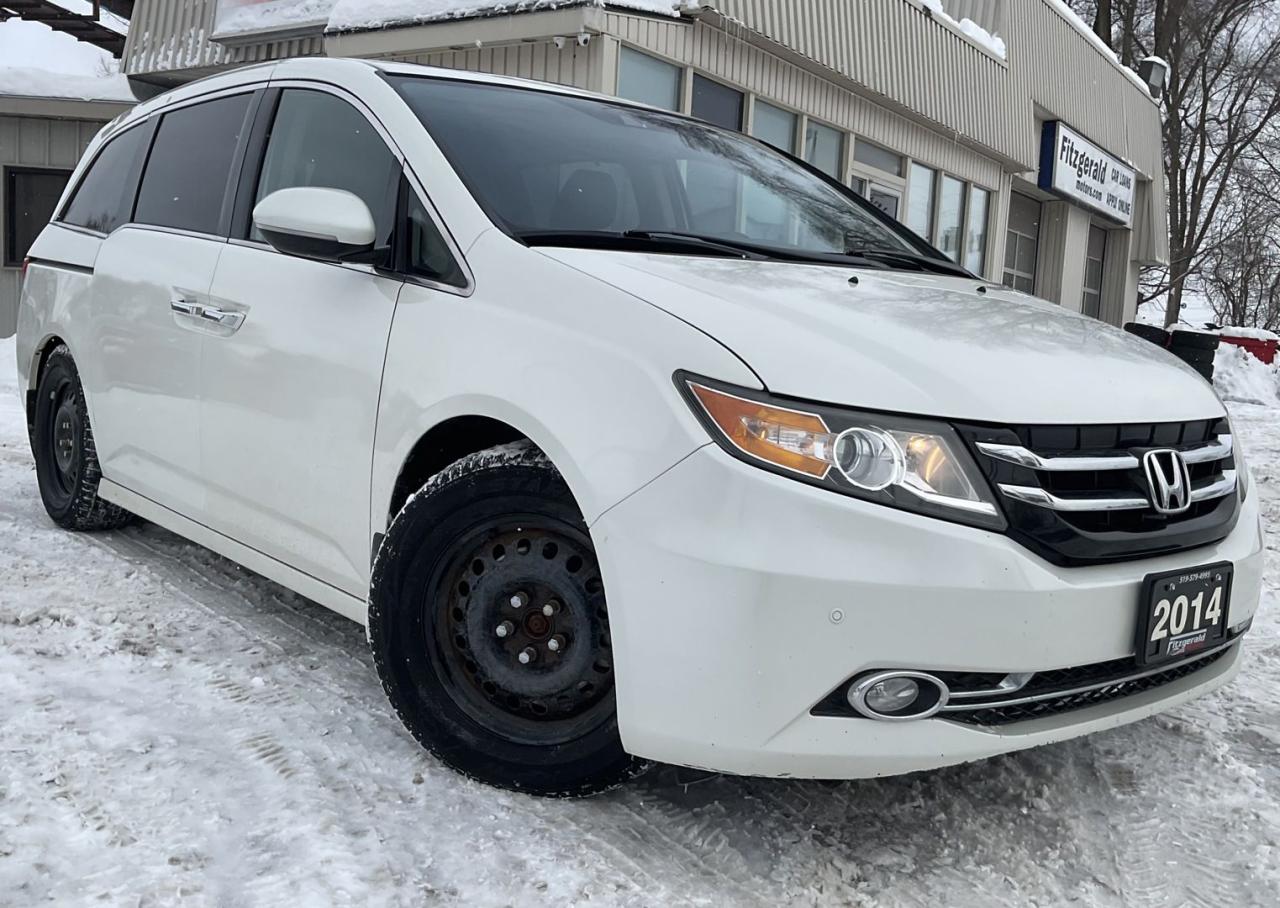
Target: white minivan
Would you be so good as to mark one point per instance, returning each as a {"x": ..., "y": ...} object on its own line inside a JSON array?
[{"x": 628, "y": 438}]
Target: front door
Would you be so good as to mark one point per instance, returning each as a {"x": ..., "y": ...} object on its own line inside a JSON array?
[{"x": 291, "y": 380}]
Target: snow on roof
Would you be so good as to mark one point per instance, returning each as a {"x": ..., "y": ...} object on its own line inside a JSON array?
[
  {"x": 249, "y": 16},
  {"x": 39, "y": 62},
  {"x": 349, "y": 15},
  {"x": 970, "y": 29}
]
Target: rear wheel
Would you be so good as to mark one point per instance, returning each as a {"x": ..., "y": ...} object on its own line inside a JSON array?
[
  {"x": 66, "y": 458},
  {"x": 490, "y": 628}
]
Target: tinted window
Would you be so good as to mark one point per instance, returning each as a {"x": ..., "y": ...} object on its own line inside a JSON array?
[
  {"x": 429, "y": 254},
  {"x": 104, "y": 199},
  {"x": 320, "y": 140},
  {"x": 190, "y": 164},
  {"x": 30, "y": 197},
  {"x": 716, "y": 103}
]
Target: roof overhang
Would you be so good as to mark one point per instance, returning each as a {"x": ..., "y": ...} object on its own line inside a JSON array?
[
  {"x": 88, "y": 28},
  {"x": 61, "y": 108}
]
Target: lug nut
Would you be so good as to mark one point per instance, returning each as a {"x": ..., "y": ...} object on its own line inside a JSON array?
[
  {"x": 505, "y": 629},
  {"x": 519, "y": 600},
  {"x": 556, "y": 643},
  {"x": 551, "y": 608},
  {"x": 527, "y": 655}
]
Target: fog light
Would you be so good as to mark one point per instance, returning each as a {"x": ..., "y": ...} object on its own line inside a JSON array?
[
  {"x": 892, "y": 695},
  {"x": 898, "y": 696}
]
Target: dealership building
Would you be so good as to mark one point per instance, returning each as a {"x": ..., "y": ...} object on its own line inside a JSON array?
[{"x": 1000, "y": 129}]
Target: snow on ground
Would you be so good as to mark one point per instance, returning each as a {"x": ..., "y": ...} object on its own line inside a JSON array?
[
  {"x": 176, "y": 729},
  {"x": 36, "y": 61}
]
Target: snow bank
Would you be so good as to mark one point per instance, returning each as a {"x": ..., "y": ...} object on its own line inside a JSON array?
[
  {"x": 38, "y": 62},
  {"x": 350, "y": 15},
  {"x": 969, "y": 28},
  {"x": 1240, "y": 376},
  {"x": 1261, "y": 334}
]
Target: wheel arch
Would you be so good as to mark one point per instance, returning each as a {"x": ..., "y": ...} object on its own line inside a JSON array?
[{"x": 35, "y": 369}]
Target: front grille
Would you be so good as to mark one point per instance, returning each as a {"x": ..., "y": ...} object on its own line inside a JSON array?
[
  {"x": 1078, "y": 495},
  {"x": 1101, "y": 682}
]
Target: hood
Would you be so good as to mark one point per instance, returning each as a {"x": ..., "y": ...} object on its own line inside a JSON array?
[{"x": 912, "y": 343}]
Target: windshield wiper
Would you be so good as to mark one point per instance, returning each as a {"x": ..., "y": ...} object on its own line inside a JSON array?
[
  {"x": 678, "y": 242},
  {"x": 906, "y": 259},
  {"x": 637, "y": 240}
]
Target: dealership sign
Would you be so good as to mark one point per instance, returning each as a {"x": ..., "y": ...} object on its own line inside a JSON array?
[{"x": 1073, "y": 167}]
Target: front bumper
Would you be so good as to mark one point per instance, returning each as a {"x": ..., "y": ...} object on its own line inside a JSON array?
[{"x": 739, "y": 599}]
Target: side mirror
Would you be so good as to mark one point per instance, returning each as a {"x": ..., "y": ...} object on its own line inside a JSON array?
[{"x": 312, "y": 222}]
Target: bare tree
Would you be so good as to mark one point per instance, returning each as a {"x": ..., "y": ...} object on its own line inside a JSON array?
[{"x": 1222, "y": 108}]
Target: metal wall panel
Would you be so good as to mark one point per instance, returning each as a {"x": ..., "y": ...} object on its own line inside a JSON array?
[
  {"x": 34, "y": 142},
  {"x": 573, "y": 65},
  {"x": 167, "y": 36}
]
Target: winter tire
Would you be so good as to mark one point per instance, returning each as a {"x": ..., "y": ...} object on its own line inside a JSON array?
[
  {"x": 1157, "y": 336},
  {"x": 1196, "y": 340},
  {"x": 66, "y": 459},
  {"x": 490, "y": 632}
]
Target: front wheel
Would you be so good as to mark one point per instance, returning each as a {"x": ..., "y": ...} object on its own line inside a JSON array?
[{"x": 490, "y": 630}]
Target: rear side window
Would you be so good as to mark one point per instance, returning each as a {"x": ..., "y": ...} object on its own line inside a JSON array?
[
  {"x": 104, "y": 198},
  {"x": 320, "y": 140},
  {"x": 190, "y": 165}
]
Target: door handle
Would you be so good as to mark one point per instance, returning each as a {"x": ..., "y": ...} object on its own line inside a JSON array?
[
  {"x": 232, "y": 320},
  {"x": 182, "y": 307}
]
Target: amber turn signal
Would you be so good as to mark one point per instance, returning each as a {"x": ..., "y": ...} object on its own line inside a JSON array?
[{"x": 786, "y": 438}]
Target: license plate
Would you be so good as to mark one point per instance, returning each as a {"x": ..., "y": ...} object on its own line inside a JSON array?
[{"x": 1183, "y": 612}]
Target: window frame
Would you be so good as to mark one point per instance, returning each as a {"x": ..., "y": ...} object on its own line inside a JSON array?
[{"x": 8, "y": 217}]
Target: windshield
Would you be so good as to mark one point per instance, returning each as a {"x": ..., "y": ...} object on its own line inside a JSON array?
[{"x": 549, "y": 167}]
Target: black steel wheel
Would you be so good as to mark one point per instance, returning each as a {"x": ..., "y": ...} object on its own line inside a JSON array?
[
  {"x": 66, "y": 458},
  {"x": 490, "y": 628}
]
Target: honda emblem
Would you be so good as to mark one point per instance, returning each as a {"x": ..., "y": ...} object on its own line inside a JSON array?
[{"x": 1168, "y": 480}]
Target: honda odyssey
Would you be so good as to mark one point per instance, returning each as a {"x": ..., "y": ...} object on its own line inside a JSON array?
[{"x": 628, "y": 438}]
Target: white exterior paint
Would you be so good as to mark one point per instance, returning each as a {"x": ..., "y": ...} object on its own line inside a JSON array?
[{"x": 279, "y": 445}]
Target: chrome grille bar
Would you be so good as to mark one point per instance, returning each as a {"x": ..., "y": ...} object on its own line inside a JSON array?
[
  {"x": 1081, "y": 463},
  {"x": 1072, "y": 691},
  {"x": 1114, "y": 501}
]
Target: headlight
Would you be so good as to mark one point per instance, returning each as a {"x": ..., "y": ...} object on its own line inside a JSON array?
[{"x": 912, "y": 464}]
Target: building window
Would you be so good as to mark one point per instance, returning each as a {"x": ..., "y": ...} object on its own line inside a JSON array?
[
  {"x": 717, "y": 104},
  {"x": 648, "y": 80},
  {"x": 878, "y": 158},
  {"x": 823, "y": 147},
  {"x": 975, "y": 255},
  {"x": 886, "y": 200},
  {"x": 1095, "y": 256},
  {"x": 775, "y": 126},
  {"x": 920, "y": 189},
  {"x": 858, "y": 185},
  {"x": 30, "y": 196},
  {"x": 1021, "y": 244},
  {"x": 950, "y": 217}
]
